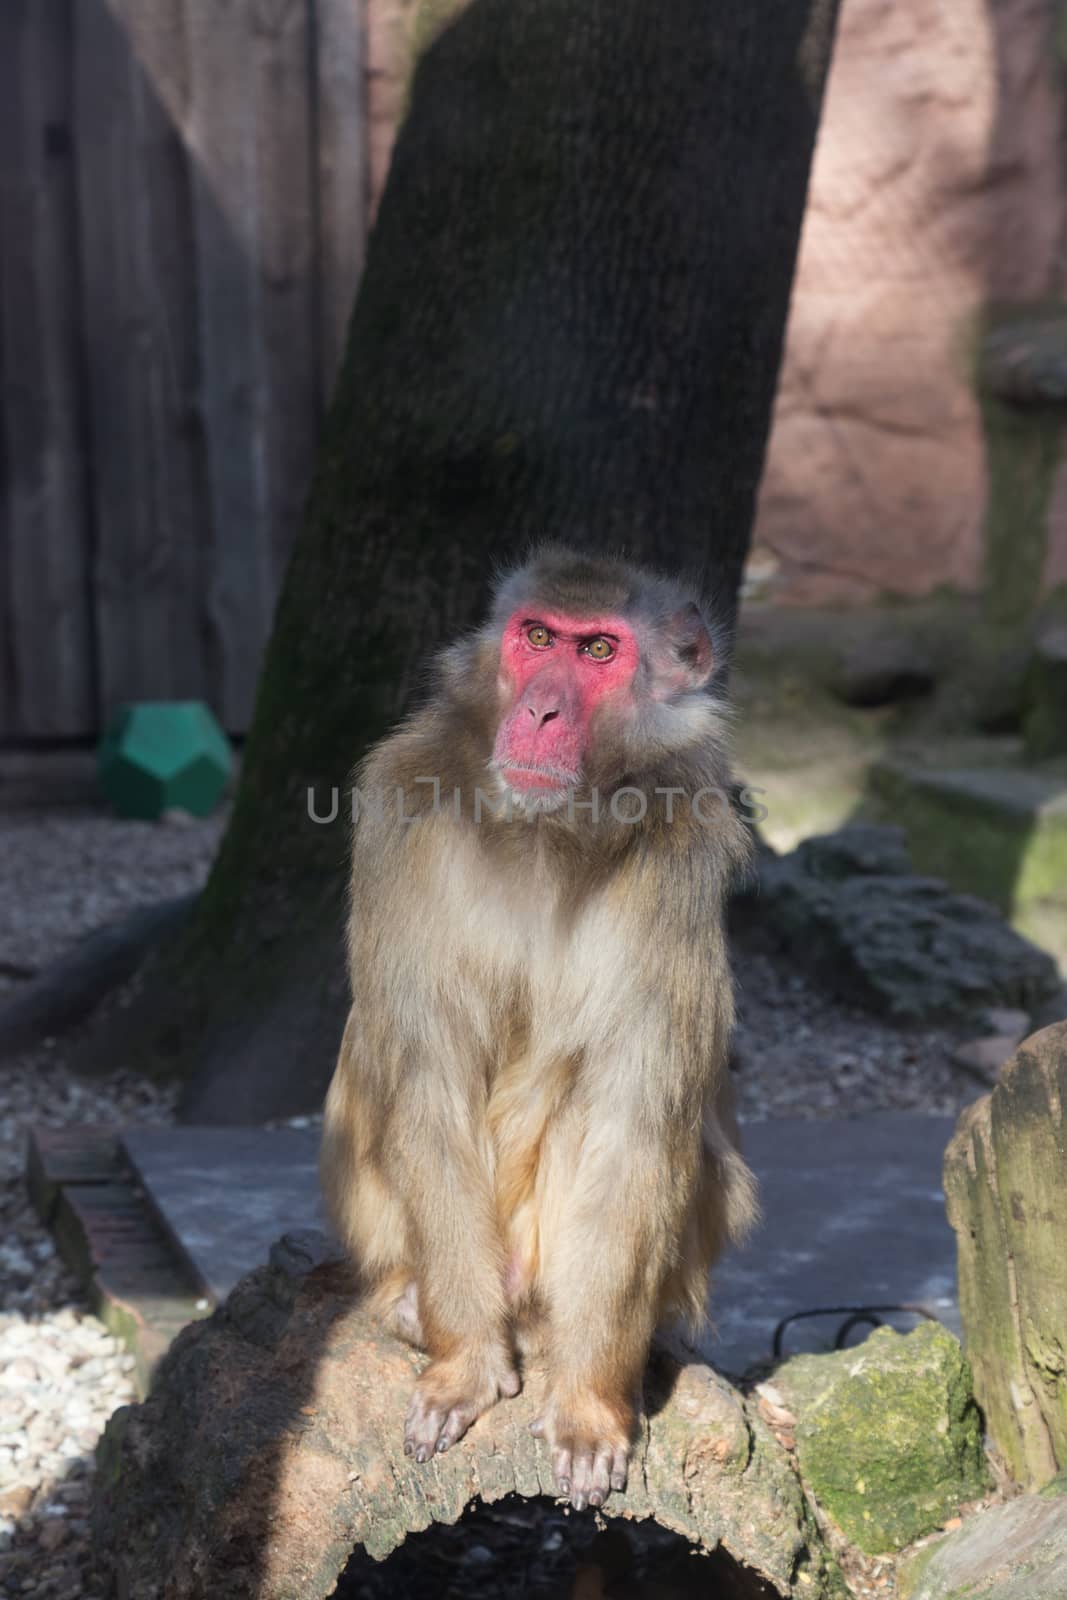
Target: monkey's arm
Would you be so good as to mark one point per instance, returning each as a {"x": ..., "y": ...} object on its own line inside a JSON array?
[
  {"x": 604, "y": 1273},
  {"x": 406, "y": 1158},
  {"x": 649, "y": 1196},
  {"x": 408, "y": 1182}
]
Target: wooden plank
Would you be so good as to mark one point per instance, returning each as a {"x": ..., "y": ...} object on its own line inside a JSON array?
[
  {"x": 85, "y": 1153},
  {"x": 343, "y": 172},
  {"x": 139, "y": 298},
  {"x": 46, "y": 668},
  {"x": 288, "y": 331},
  {"x": 249, "y": 130}
]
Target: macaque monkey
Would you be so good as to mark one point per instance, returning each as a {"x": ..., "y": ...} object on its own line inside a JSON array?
[{"x": 529, "y": 1141}]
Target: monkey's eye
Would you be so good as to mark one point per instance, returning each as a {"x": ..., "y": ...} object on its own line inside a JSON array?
[
  {"x": 600, "y": 649},
  {"x": 539, "y": 636}
]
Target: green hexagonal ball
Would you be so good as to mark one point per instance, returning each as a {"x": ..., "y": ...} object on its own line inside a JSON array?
[{"x": 159, "y": 755}]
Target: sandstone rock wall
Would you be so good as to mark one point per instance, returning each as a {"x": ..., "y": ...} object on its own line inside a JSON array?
[{"x": 937, "y": 189}]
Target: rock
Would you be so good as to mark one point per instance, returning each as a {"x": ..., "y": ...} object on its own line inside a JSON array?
[
  {"x": 1006, "y": 1192},
  {"x": 888, "y": 1437},
  {"x": 1054, "y": 1009},
  {"x": 1016, "y": 1551},
  {"x": 1007, "y": 1023},
  {"x": 271, "y": 1446},
  {"x": 848, "y": 907},
  {"x": 1045, "y": 722},
  {"x": 998, "y": 831},
  {"x": 17, "y": 1501},
  {"x": 52, "y": 1534},
  {"x": 983, "y": 1058}
]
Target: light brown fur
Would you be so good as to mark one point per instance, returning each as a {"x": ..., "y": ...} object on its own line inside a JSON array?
[{"x": 530, "y": 1129}]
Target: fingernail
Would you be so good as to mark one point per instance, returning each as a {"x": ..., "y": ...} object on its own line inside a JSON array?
[
  {"x": 442, "y": 1446},
  {"x": 409, "y": 1448},
  {"x": 564, "y": 1486},
  {"x": 422, "y": 1454}
]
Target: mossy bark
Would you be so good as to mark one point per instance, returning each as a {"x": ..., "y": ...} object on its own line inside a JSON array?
[
  {"x": 570, "y": 323},
  {"x": 1006, "y": 1188}
]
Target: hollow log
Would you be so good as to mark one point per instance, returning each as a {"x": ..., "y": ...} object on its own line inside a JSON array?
[{"x": 270, "y": 1449}]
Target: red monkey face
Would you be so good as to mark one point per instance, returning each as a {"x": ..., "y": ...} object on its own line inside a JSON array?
[{"x": 555, "y": 673}]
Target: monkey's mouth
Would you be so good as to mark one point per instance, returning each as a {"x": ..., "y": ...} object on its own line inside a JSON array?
[{"x": 527, "y": 775}]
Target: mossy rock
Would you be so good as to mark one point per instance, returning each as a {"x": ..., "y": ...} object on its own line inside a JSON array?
[
  {"x": 1000, "y": 832},
  {"x": 888, "y": 1435}
]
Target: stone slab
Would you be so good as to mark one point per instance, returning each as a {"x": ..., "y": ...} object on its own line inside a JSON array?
[
  {"x": 225, "y": 1194},
  {"x": 853, "y": 1214},
  {"x": 1019, "y": 794}
]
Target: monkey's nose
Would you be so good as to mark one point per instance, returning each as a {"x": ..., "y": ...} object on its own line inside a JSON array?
[{"x": 541, "y": 717}]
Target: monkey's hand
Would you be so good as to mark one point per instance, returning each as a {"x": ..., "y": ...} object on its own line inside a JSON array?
[
  {"x": 453, "y": 1393},
  {"x": 589, "y": 1442}
]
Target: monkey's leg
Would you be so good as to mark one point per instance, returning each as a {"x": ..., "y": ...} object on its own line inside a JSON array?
[
  {"x": 437, "y": 1163},
  {"x": 612, "y": 1223}
]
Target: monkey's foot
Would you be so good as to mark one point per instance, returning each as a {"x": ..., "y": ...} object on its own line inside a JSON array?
[
  {"x": 451, "y": 1395},
  {"x": 589, "y": 1442}
]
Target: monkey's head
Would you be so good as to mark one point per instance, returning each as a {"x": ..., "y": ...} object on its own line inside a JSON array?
[{"x": 603, "y": 669}]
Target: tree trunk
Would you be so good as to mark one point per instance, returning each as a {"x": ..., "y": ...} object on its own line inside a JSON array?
[
  {"x": 1006, "y": 1188},
  {"x": 570, "y": 323}
]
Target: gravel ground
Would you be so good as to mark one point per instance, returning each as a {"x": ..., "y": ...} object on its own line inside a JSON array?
[
  {"x": 61, "y": 1374},
  {"x": 798, "y": 1053},
  {"x": 67, "y": 872}
]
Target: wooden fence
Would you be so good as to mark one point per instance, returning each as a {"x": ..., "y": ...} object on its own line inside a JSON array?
[{"x": 183, "y": 208}]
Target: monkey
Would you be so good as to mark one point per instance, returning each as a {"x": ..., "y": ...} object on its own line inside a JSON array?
[{"x": 529, "y": 1144}]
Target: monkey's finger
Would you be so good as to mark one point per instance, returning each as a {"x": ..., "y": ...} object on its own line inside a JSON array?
[
  {"x": 455, "y": 1426},
  {"x": 510, "y": 1384},
  {"x": 422, "y": 1429},
  {"x": 619, "y": 1470},
  {"x": 561, "y": 1467},
  {"x": 582, "y": 1480},
  {"x": 601, "y": 1476}
]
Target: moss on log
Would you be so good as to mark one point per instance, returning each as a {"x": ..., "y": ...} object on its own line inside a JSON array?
[
  {"x": 1006, "y": 1188},
  {"x": 271, "y": 1447}
]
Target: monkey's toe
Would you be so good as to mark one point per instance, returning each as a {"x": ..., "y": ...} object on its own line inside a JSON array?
[
  {"x": 441, "y": 1412},
  {"x": 431, "y": 1429},
  {"x": 588, "y": 1473},
  {"x": 586, "y": 1468}
]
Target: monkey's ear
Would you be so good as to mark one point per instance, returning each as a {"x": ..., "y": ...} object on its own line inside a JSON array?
[{"x": 691, "y": 650}]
